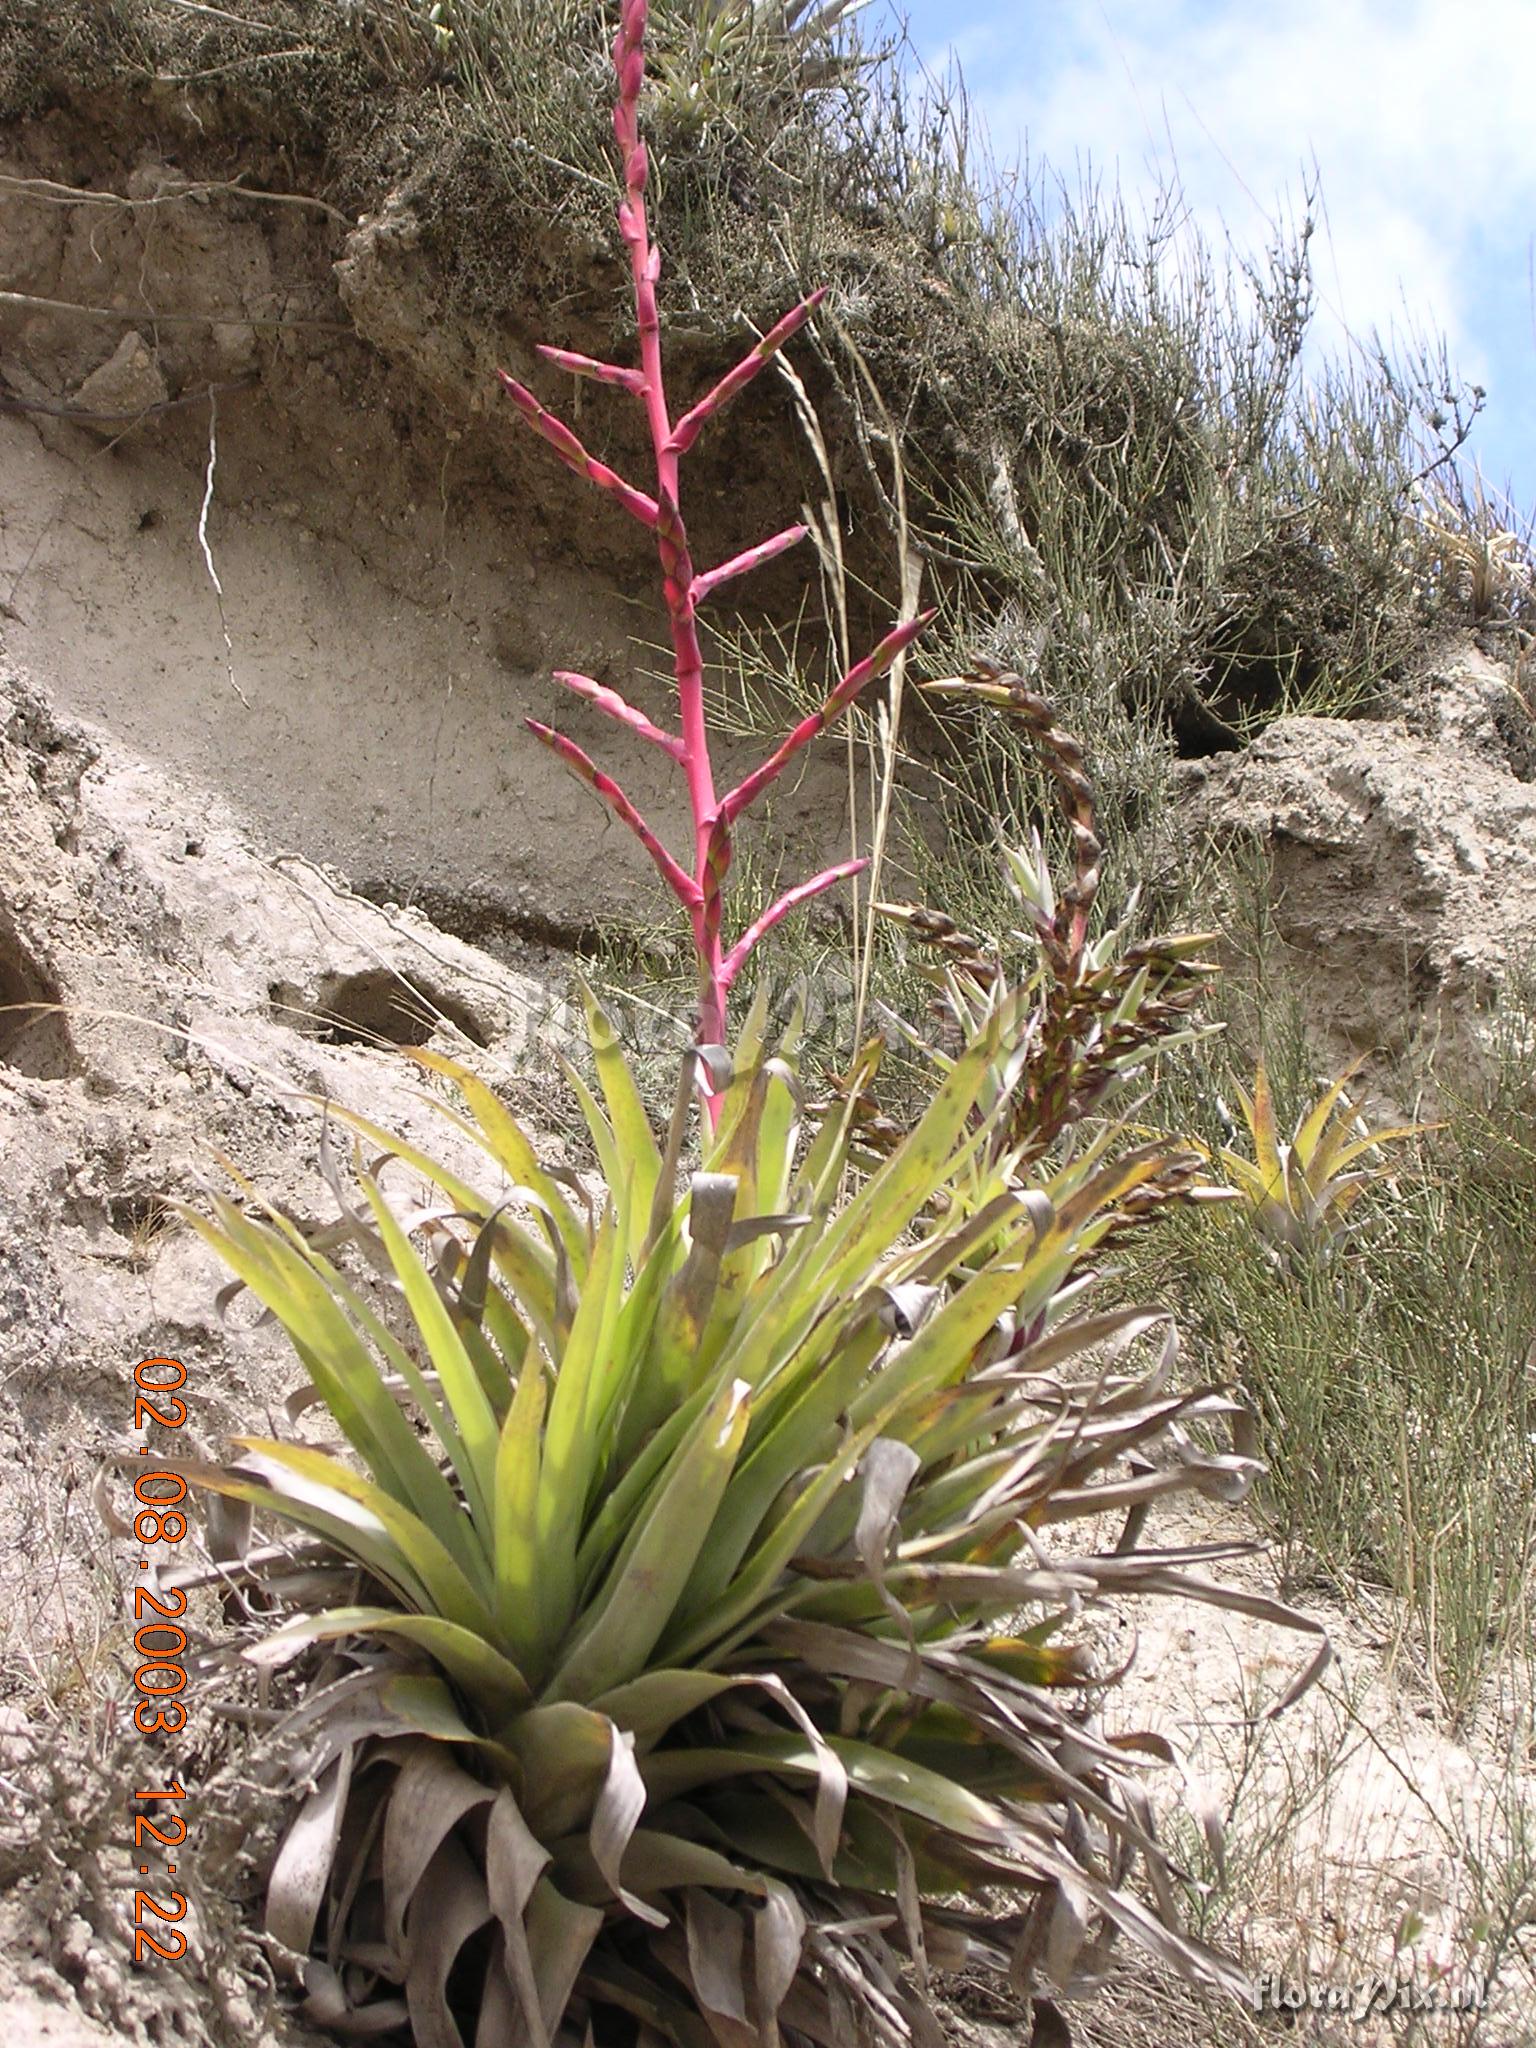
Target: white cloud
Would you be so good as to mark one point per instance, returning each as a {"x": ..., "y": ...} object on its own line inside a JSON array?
[{"x": 1417, "y": 113}]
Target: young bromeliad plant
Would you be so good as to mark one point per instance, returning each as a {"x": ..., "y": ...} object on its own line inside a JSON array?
[
  {"x": 692, "y": 1597},
  {"x": 1298, "y": 1192}
]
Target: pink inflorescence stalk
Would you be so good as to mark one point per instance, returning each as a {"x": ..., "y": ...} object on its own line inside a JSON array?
[{"x": 683, "y": 586}]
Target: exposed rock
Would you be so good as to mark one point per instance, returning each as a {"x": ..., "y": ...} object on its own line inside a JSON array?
[
  {"x": 1474, "y": 707},
  {"x": 1403, "y": 861},
  {"x": 126, "y": 386}
]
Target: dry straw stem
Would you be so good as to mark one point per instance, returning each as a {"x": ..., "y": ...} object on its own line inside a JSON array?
[{"x": 53, "y": 193}]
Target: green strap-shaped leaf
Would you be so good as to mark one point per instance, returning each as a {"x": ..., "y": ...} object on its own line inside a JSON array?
[
  {"x": 638, "y": 1151},
  {"x": 1310, "y": 1131},
  {"x": 807, "y": 1425},
  {"x": 610, "y": 1156},
  {"x": 299, "y": 1474},
  {"x": 876, "y": 1773},
  {"x": 424, "y": 1706},
  {"x": 763, "y": 1828},
  {"x": 527, "y": 1268},
  {"x": 745, "y": 1058},
  {"x": 458, "y": 1191},
  {"x": 346, "y": 1526},
  {"x": 498, "y": 1133},
  {"x": 522, "y": 1615},
  {"x": 564, "y": 1750},
  {"x": 657, "y": 1862},
  {"x": 617, "y": 1514},
  {"x": 742, "y": 1158},
  {"x": 756, "y": 1588},
  {"x": 829, "y": 1260},
  {"x": 648, "y": 1706},
  {"x": 628, "y": 1406},
  {"x": 624, "y": 1623},
  {"x": 777, "y": 1135},
  {"x": 472, "y": 1412},
  {"x": 507, "y": 1331},
  {"x": 566, "y": 1471},
  {"x": 527, "y": 1265},
  {"x": 302, "y": 1292},
  {"x": 286, "y": 1283},
  {"x": 941, "y": 1352},
  {"x": 752, "y": 1031},
  {"x": 675, "y": 1360},
  {"x": 491, "y": 1680},
  {"x": 495, "y": 1380},
  {"x": 432, "y": 1497}
]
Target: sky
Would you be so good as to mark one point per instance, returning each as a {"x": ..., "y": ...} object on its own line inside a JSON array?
[{"x": 1417, "y": 117}]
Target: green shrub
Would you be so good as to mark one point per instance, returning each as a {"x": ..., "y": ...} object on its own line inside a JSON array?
[{"x": 1387, "y": 1350}]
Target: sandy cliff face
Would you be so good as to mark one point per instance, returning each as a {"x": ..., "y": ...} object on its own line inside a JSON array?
[
  {"x": 267, "y": 518},
  {"x": 207, "y": 992},
  {"x": 1401, "y": 857}
]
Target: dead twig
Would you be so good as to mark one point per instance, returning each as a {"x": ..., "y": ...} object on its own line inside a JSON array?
[
  {"x": 220, "y": 14},
  {"x": 53, "y": 193},
  {"x": 9, "y": 402},
  {"x": 132, "y": 315}
]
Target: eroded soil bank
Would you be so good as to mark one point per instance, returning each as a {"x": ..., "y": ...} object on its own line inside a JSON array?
[{"x": 268, "y": 553}]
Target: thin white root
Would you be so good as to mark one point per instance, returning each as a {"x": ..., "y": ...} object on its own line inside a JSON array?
[{"x": 202, "y": 535}]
